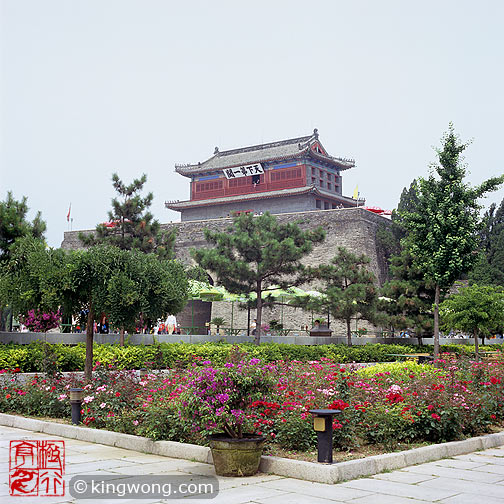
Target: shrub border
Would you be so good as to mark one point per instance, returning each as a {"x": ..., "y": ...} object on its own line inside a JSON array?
[{"x": 298, "y": 469}]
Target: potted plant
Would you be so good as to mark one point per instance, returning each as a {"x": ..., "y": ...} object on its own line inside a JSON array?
[{"x": 217, "y": 400}]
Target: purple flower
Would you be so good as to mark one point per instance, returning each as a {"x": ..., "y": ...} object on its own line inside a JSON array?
[{"x": 222, "y": 398}]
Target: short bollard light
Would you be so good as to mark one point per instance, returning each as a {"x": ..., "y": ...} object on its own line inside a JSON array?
[
  {"x": 143, "y": 374},
  {"x": 322, "y": 423},
  {"x": 76, "y": 402}
]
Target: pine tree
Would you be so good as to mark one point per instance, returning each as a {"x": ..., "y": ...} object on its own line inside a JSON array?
[
  {"x": 14, "y": 225},
  {"x": 131, "y": 226},
  {"x": 348, "y": 288},
  {"x": 255, "y": 253}
]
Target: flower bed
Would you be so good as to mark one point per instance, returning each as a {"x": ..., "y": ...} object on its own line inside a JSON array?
[{"x": 381, "y": 405}]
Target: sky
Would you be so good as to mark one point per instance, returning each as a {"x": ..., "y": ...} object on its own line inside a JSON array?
[{"x": 92, "y": 87}]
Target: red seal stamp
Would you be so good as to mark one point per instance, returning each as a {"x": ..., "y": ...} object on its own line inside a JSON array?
[{"x": 36, "y": 468}]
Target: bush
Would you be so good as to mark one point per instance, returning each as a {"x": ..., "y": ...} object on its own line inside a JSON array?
[
  {"x": 34, "y": 357},
  {"x": 296, "y": 433}
]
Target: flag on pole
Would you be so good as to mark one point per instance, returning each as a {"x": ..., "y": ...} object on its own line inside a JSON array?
[
  {"x": 68, "y": 214},
  {"x": 356, "y": 192}
]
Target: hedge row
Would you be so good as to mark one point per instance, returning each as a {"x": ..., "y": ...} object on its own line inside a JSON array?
[{"x": 39, "y": 357}]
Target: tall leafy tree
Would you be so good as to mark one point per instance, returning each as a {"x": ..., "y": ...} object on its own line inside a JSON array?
[
  {"x": 131, "y": 226},
  {"x": 348, "y": 287},
  {"x": 257, "y": 252},
  {"x": 442, "y": 231},
  {"x": 476, "y": 309}
]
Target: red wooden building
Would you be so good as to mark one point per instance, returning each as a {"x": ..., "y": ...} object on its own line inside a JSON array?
[{"x": 294, "y": 175}]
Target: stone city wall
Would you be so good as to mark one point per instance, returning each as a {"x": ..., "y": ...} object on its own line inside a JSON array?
[{"x": 352, "y": 228}]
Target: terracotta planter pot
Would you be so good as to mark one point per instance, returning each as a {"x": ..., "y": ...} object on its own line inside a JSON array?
[{"x": 236, "y": 456}]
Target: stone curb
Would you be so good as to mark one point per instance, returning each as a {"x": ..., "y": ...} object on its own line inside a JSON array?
[{"x": 298, "y": 469}]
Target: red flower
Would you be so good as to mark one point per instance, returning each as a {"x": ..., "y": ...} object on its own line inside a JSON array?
[
  {"x": 435, "y": 416},
  {"x": 493, "y": 417},
  {"x": 394, "y": 397},
  {"x": 495, "y": 380},
  {"x": 117, "y": 394},
  {"x": 338, "y": 405},
  {"x": 8, "y": 396},
  {"x": 430, "y": 407}
]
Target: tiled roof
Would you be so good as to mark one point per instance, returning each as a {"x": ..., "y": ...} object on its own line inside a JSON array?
[
  {"x": 261, "y": 153},
  {"x": 182, "y": 205}
]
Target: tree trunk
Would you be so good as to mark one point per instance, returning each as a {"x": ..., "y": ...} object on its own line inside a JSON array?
[
  {"x": 121, "y": 336},
  {"x": 476, "y": 344},
  {"x": 436, "y": 323},
  {"x": 349, "y": 332},
  {"x": 88, "y": 367},
  {"x": 257, "y": 338}
]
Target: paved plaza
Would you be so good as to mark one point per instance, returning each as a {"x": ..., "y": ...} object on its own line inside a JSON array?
[{"x": 476, "y": 477}]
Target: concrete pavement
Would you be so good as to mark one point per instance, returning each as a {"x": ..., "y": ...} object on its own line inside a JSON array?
[{"x": 458, "y": 480}]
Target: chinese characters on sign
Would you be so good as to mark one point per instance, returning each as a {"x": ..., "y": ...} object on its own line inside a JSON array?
[
  {"x": 36, "y": 468},
  {"x": 244, "y": 171}
]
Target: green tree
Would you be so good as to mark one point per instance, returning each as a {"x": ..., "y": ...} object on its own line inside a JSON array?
[
  {"x": 131, "y": 225},
  {"x": 478, "y": 310},
  {"x": 125, "y": 285},
  {"x": 442, "y": 231},
  {"x": 14, "y": 224},
  {"x": 388, "y": 237},
  {"x": 197, "y": 273},
  {"x": 489, "y": 268},
  {"x": 33, "y": 277},
  {"x": 348, "y": 287},
  {"x": 144, "y": 287},
  {"x": 217, "y": 322},
  {"x": 256, "y": 253},
  {"x": 408, "y": 296}
]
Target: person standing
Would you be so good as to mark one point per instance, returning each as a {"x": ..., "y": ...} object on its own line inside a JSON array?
[{"x": 171, "y": 323}]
